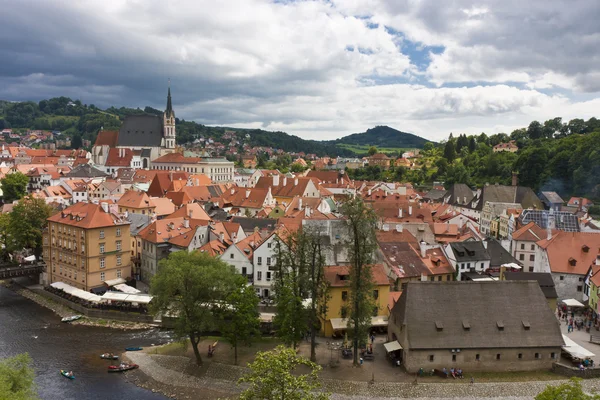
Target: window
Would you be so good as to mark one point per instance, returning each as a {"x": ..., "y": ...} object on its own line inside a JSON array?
[
  {"x": 101, "y": 248},
  {"x": 453, "y": 357},
  {"x": 102, "y": 276},
  {"x": 432, "y": 278},
  {"x": 269, "y": 244},
  {"x": 375, "y": 294},
  {"x": 268, "y": 276},
  {"x": 521, "y": 257},
  {"x": 268, "y": 260},
  {"x": 562, "y": 277},
  {"x": 118, "y": 273},
  {"x": 537, "y": 356},
  {"x": 259, "y": 276},
  {"x": 553, "y": 355},
  {"x": 118, "y": 245},
  {"x": 344, "y": 295},
  {"x": 580, "y": 279},
  {"x": 522, "y": 246},
  {"x": 231, "y": 256},
  {"x": 118, "y": 260},
  {"x": 259, "y": 260},
  {"x": 118, "y": 231},
  {"x": 102, "y": 262},
  {"x": 447, "y": 277},
  {"x": 102, "y": 234},
  {"x": 75, "y": 275},
  {"x": 579, "y": 288},
  {"x": 82, "y": 264},
  {"x": 520, "y": 356},
  {"x": 532, "y": 247},
  {"x": 530, "y": 269},
  {"x": 431, "y": 357},
  {"x": 439, "y": 278},
  {"x": 531, "y": 257},
  {"x": 477, "y": 358},
  {"x": 498, "y": 356},
  {"x": 344, "y": 312}
]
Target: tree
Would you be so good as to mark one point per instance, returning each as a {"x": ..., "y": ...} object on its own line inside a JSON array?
[
  {"x": 240, "y": 321},
  {"x": 76, "y": 142},
  {"x": 571, "y": 390},
  {"x": 535, "y": 130},
  {"x": 27, "y": 221},
  {"x": 14, "y": 186},
  {"x": 192, "y": 286},
  {"x": 372, "y": 150},
  {"x": 472, "y": 144},
  {"x": 361, "y": 223},
  {"x": 275, "y": 375},
  {"x": 449, "y": 151},
  {"x": 17, "y": 378},
  {"x": 428, "y": 147},
  {"x": 290, "y": 263}
]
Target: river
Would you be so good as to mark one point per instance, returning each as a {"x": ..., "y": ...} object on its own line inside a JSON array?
[{"x": 27, "y": 327}]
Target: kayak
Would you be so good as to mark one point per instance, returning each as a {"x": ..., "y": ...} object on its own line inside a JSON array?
[
  {"x": 122, "y": 367},
  {"x": 71, "y": 318},
  {"x": 109, "y": 356},
  {"x": 66, "y": 374},
  {"x": 133, "y": 348}
]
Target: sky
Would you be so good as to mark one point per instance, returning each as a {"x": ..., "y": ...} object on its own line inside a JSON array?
[{"x": 317, "y": 69}]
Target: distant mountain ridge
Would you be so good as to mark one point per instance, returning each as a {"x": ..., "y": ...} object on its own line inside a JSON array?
[{"x": 383, "y": 136}]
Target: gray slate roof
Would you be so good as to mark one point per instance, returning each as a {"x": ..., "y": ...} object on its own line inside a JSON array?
[
  {"x": 498, "y": 254},
  {"x": 481, "y": 305},
  {"x": 551, "y": 197},
  {"x": 563, "y": 220},
  {"x": 435, "y": 195},
  {"x": 460, "y": 192},
  {"x": 138, "y": 222},
  {"x": 141, "y": 131},
  {"x": 544, "y": 279},
  {"x": 508, "y": 194},
  {"x": 248, "y": 224},
  {"x": 86, "y": 171},
  {"x": 469, "y": 251}
]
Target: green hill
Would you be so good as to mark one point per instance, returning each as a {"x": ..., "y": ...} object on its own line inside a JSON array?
[{"x": 383, "y": 136}]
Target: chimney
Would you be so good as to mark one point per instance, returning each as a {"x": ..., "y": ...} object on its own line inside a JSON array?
[
  {"x": 232, "y": 191},
  {"x": 485, "y": 244},
  {"x": 285, "y": 181},
  {"x": 515, "y": 178},
  {"x": 186, "y": 223},
  {"x": 126, "y": 214},
  {"x": 190, "y": 214},
  {"x": 222, "y": 237},
  {"x": 369, "y": 192},
  {"x": 171, "y": 175},
  {"x": 342, "y": 181},
  {"x": 465, "y": 200},
  {"x": 275, "y": 180},
  {"x": 300, "y": 203},
  {"x": 295, "y": 181},
  {"x": 457, "y": 200},
  {"x": 234, "y": 237},
  {"x": 423, "y": 248},
  {"x": 399, "y": 228},
  {"x": 307, "y": 212},
  {"x": 104, "y": 206},
  {"x": 247, "y": 193},
  {"x": 386, "y": 227},
  {"x": 400, "y": 212},
  {"x": 447, "y": 226},
  {"x": 409, "y": 210}
]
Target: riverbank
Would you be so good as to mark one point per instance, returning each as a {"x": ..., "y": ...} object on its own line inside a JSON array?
[
  {"x": 177, "y": 376},
  {"x": 64, "y": 311}
]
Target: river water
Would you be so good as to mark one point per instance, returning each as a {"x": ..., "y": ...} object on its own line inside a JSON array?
[{"x": 27, "y": 327}]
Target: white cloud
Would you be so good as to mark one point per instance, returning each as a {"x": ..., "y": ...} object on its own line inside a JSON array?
[{"x": 319, "y": 69}]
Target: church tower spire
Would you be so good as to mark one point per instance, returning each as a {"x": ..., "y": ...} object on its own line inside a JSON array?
[{"x": 169, "y": 123}]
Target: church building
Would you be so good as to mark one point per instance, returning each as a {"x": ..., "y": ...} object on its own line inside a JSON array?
[{"x": 147, "y": 136}]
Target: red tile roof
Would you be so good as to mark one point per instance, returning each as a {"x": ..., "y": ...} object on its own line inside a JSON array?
[
  {"x": 87, "y": 216},
  {"x": 567, "y": 248},
  {"x": 119, "y": 158},
  {"x": 177, "y": 158},
  {"x": 107, "y": 138},
  {"x": 335, "y": 273},
  {"x": 135, "y": 199}
]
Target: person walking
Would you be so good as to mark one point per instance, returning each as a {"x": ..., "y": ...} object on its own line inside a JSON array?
[{"x": 472, "y": 380}]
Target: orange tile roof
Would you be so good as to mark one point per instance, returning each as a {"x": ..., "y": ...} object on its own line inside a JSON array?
[
  {"x": 198, "y": 193},
  {"x": 177, "y": 158},
  {"x": 162, "y": 181},
  {"x": 245, "y": 197},
  {"x": 192, "y": 211},
  {"x": 179, "y": 198},
  {"x": 249, "y": 244},
  {"x": 566, "y": 248},
  {"x": 437, "y": 262},
  {"x": 162, "y": 206},
  {"x": 57, "y": 191},
  {"x": 444, "y": 228},
  {"x": 290, "y": 189},
  {"x": 530, "y": 233},
  {"x": 144, "y": 175},
  {"x": 177, "y": 185},
  {"x": 108, "y": 138},
  {"x": 393, "y": 298},
  {"x": 135, "y": 199},
  {"x": 87, "y": 216},
  {"x": 200, "y": 180},
  {"x": 213, "y": 248},
  {"x": 164, "y": 230},
  {"x": 119, "y": 158},
  {"x": 335, "y": 272}
]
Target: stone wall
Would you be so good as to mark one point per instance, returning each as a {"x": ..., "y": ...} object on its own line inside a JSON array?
[
  {"x": 566, "y": 288},
  {"x": 569, "y": 371},
  {"x": 96, "y": 313},
  {"x": 467, "y": 359}
]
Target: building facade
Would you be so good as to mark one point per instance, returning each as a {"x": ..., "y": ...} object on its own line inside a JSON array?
[{"x": 85, "y": 245}]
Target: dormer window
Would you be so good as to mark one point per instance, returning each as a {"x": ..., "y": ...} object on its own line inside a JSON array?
[
  {"x": 439, "y": 326},
  {"x": 585, "y": 248},
  {"x": 466, "y": 325},
  {"x": 526, "y": 325},
  {"x": 500, "y": 325},
  {"x": 572, "y": 262}
]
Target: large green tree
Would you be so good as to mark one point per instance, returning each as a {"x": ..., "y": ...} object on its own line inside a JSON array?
[
  {"x": 361, "y": 224},
  {"x": 281, "y": 374},
  {"x": 192, "y": 287},
  {"x": 239, "y": 318},
  {"x": 17, "y": 378},
  {"x": 571, "y": 390},
  {"x": 14, "y": 186},
  {"x": 27, "y": 222},
  {"x": 450, "y": 151}
]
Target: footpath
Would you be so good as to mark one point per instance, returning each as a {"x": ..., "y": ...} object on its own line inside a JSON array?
[{"x": 222, "y": 379}]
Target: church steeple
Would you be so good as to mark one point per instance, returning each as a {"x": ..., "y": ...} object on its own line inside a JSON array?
[{"x": 169, "y": 109}]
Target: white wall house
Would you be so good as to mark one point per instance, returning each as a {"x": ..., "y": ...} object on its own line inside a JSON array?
[
  {"x": 264, "y": 266},
  {"x": 241, "y": 260},
  {"x": 468, "y": 257}
]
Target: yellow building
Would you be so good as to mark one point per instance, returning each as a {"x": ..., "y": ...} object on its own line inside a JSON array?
[
  {"x": 85, "y": 245},
  {"x": 338, "y": 279}
]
